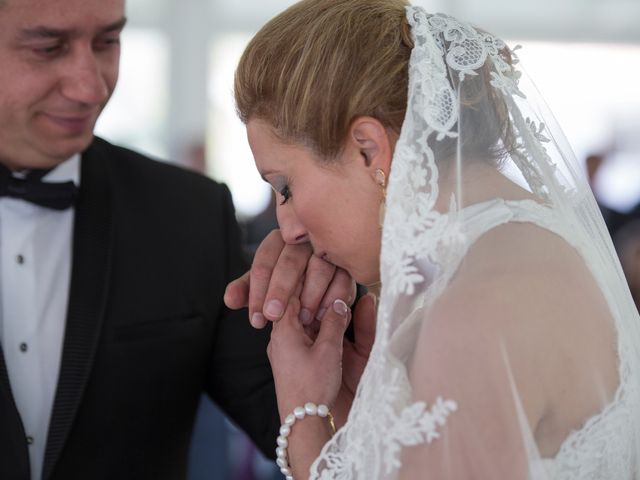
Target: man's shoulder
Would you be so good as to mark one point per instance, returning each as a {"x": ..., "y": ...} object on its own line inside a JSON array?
[{"x": 151, "y": 172}]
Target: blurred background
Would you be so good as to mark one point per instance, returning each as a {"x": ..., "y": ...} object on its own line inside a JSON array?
[{"x": 174, "y": 102}]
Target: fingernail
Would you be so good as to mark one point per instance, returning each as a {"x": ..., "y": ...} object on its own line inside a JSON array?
[
  {"x": 274, "y": 309},
  {"x": 340, "y": 307},
  {"x": 321, "y": 313},
  {"x": 305, "y": 316},
  {"x": 374, "y": 299},
  {"x": 257, "y": 320}
]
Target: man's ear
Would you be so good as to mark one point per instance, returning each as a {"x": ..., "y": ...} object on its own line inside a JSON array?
[{"x": 373, "y": 141}]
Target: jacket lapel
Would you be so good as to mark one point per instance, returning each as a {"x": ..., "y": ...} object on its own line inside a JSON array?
[
  {"x": 5, "y": 386},
  {"x": 92, "y": 237},
  {"x": 14, "y": 455}
]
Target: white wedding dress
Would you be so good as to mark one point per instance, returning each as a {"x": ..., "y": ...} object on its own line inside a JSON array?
[
  {"x": 384, "y": 420},
  {"x": 429, "y": 232},
  {"x": 604, "y": 446}
]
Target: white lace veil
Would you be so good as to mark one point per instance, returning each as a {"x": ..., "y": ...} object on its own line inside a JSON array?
[{"x": 507, "y": 342}]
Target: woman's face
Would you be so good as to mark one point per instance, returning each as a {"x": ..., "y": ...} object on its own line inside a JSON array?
[{"x": 335, "y": 206}]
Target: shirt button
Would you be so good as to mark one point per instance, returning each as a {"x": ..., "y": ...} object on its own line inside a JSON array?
[
  {"x": 24, "y": 347},
  {"x": 20, "y": 259},
  {"x": 29, "y": 440}
]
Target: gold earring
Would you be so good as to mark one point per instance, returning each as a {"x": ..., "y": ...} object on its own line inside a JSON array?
[{"x": 381, "y": 179}]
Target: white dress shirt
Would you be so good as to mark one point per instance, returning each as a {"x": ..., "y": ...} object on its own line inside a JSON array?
[{"x": 35, "y": 271}]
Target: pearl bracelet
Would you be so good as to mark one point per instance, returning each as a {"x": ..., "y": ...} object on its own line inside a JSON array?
[{"x": 309, "y": 409}]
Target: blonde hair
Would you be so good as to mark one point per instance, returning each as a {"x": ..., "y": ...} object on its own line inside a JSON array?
[
  {"x": 310, "y": 71},
  {"x": 321, "y": 63}
]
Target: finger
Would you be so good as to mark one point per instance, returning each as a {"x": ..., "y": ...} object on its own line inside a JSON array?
[
  {"x": 236, "y": 295},
  {"x": 312, "y": 329},
  {"x": 264, "y": 261},
  {"x": 364, "y": 324},
  {"x": 288, "y": 330},
  {"x": 285, "y": 278},
  {"x": 318, "y": 277},
  {"x": 342, "y": 286},
  {"x": 281, "y": 332},
  {"x": 333, "y": 324},
  {"x": 289, "y": 317}
]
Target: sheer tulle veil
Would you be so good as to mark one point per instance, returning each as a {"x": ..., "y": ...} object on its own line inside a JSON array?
[{"x": 503, "y": 305}]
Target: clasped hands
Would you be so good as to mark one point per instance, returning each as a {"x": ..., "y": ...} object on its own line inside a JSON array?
[{"x": 308, "y": 300}]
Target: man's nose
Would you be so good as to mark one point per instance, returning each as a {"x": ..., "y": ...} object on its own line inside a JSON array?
[{"x": 84, "y": 80}]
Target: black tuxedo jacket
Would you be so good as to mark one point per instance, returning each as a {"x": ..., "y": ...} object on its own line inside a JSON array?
[{"x": 147, "y": 330}]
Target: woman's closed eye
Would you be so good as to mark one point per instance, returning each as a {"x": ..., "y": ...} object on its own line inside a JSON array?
[
  {"x": 281, "y": 186},
  {"x": 285, "y": 193}
]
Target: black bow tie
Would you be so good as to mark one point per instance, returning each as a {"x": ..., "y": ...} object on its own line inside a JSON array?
[{"x": 58, "y": 196}]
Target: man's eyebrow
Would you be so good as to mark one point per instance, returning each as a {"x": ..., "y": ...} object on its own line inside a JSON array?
[
  {"x": 115, "y": 26},
  {"x": 50, "y": 32},
  {"x": 42, "y": 32}
]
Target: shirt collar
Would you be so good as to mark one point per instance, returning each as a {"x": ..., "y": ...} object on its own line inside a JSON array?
[{"x": 65, "y": 171}]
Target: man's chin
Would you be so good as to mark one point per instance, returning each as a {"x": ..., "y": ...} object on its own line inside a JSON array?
[
  {"x": 55, "y": 152},
  {"x": 67, "y": 147}
]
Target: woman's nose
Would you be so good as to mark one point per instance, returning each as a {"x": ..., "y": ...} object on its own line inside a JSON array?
[{"x": 293, "y": 232}]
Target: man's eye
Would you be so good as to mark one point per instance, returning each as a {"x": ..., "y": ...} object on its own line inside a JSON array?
[
  {"x": 48, "y": 50},
  {"x": 286, "y": 194},
  {"x": 107, "y": 42}
]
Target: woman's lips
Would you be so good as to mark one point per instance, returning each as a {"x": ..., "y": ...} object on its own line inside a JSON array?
[{"x": 323, "y": 256}]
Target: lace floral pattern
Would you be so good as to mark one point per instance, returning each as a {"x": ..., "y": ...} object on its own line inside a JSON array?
[
  {"x": 417, "y": 423},
  {"x": 384, "y": 418}
]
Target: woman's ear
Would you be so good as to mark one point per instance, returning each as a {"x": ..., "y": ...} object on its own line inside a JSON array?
[{"x": 373, "y": 141}]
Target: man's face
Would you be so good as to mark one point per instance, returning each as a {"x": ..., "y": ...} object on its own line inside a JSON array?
[{"x": 58, "y": 67}]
